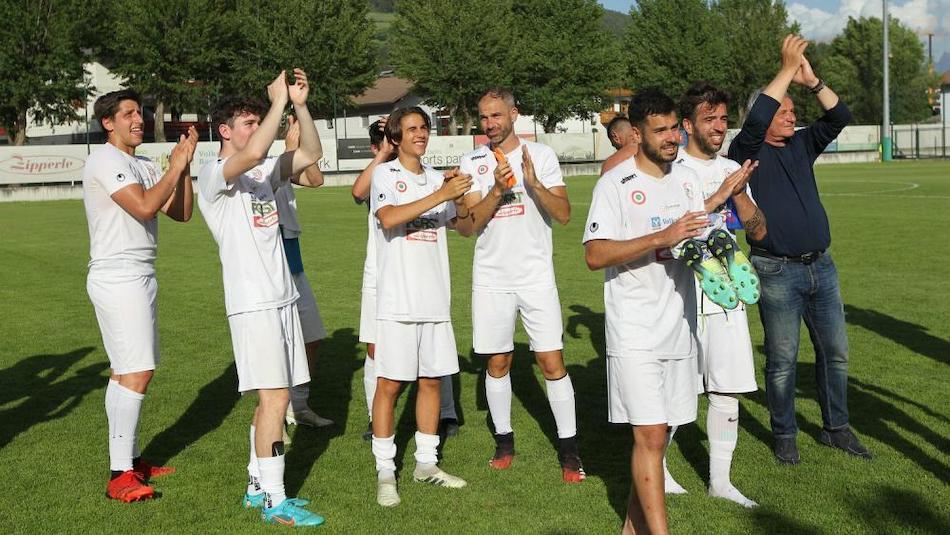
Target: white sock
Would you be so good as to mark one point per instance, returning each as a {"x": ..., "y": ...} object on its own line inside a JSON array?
[
  {"x": 722, "y": 426},
  {"x": 272, "y": 479},
  {"x": 123, "y": 426},
  {"x": 299, "y": 396},
  {"x": 253, "y": 470},
  {"x": 670, "y": 485},
  {"x": 427, "y": 449},
  {"x": 498, "y": 394},
  {"x": 561, "y": 399},
  {"x": 110, "y": 406},
  {"x": 369, "y": 383},
  {"x": 384, "y": 449},
  {"x": 446, "y": 399}
]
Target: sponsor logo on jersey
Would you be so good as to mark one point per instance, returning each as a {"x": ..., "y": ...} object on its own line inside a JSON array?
[
  {"x": 628, "y": 178},
  {"x": 478, "y": 156},
  {"x": 265, "y": 213},
  {"x": 394, "y": 169},
  {"x": 512, "y": 204},
  {"x": 638, "y": 197},
  {"x": 381, "y": 197},
  {"x": 422, "y": 229},
  {"x": 656, "y": 222},
  {"x": 401, "y": 186},
  {"x": 120, "y": 177},
  {"x": 594, "y": 227},
  {"x": 482, "y": 169}
]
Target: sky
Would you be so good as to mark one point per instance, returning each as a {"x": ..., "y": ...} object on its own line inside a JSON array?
[{"x": 821, "y": 20}]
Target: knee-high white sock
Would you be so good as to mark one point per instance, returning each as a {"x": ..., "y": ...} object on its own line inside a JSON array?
[
  {"x": 446, "y": 399},
  {"x": 369, "y": 383},
  {"x": 384, "y": 449},
  {"x": 253, "y": 470},
  {"x": 722, "y": 426},
  {"x": 670, "y": 484},
  {"x": 498, "y": 393},
  {"x": 123, "y": 426},
  {"x": 299, "y": 396},
  {"x": 110, "y": 407},
  {"x": 427, "y": 449},
  {"x": 272, "y": 479},
  {"x": 561, "y": 399}
]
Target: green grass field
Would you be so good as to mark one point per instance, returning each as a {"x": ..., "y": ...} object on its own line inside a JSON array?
[{"x": 888, "y": 224}]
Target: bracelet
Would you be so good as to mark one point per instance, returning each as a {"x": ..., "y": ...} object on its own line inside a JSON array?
[{"x": 818, "y": 87}]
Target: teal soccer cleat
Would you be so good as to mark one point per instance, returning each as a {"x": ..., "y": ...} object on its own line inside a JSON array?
[
  {"x": 712, "y": 276},
  {"x": 288, "y": 513},
  {"x": 256, "y": 501},
  {"x": 743, "y": 276}
]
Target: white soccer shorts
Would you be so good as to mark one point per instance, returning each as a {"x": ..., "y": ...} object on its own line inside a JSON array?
[
  {"x": 725, "y": 353},
  {"x": 493, "y": 320},
  {"x": 647, "y": 391},
  {"x": 126, "y": 309},
  {"x": 368, "y": 316},
  {"x": 269, "y": 349},
  {"x": 310, "y": 320},
  {"x": 406, "y": 351}
]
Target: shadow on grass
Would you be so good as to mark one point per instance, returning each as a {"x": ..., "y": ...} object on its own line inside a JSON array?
[
  {"x": 339, "y": 358},
  {"x": 36, "y": 378},
  {"x": 893, "y": 510},
  {"x": 910, "y": 335},
  {"x": 211, "y": 406},
  {"x": 770, "y": 521}
]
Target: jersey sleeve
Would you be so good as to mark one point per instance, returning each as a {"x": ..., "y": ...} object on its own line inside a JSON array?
[
  {"x": 113, "y": 174},
  {"x": 605, "y": 218},
  {"x": 548, "y": 169},
  {"x": 211, "y": 182},
  {"x": 382, "y": 193}
]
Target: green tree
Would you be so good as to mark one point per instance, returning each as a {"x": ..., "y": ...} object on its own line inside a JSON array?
[
  {"x": 861, "y": 44},
  {"x": 753, "y": 33},
  {"x": 672, "y": 43},
  {"x": 171, "y": 50},
  {"x": 565, "y": 61},
  {"x": 453, "y": 50},
  {"x": 332, "y": 40},
  {"x": 41, "y": 68}
]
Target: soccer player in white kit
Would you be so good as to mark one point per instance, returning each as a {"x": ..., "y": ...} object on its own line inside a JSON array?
[
  {"x": 649, "y": 297},
  {"x": 122, "y": 194},
  {"x": 513, "y": 200},
  {"x": 725, "y": 348},
  {"x": 311, "y": 323},
  {"x": 236, "y": 198},
  {"x": 383, "y": 152},
  {"x": 414, "y": 204}
]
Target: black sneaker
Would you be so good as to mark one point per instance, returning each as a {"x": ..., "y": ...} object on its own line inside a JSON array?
[
  {"x": 448, "y": 427},
  {"x": 572, "y": 471},
  {"x": 844, "y": 439},
  {"x": 368, "y": 434},
  {"x": 786, "y": 451},
  {"x": 504, "y": 451}
]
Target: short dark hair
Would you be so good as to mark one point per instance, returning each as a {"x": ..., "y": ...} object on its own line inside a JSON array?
[
  {"x": 107, "y": 105},
  {"x": 647, "y": 102},
  {"x": 615, "y": 123},
  {"x": 228, "y": 108},
  {"x": 376, "y": 134},
  {"x": 394, "y": 128},
  {"x": 698, "y": 93},
  {"x": 499, "y": 92}
]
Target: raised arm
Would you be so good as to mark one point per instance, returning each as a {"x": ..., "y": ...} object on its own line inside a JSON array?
[
  {"x": 836, "y": 117},
  {"x": 310, "y": 151},
  {"x": 311, "y": 177},
  {"x": 262, "y": 138},
  {"x": 143, "y": 204},
  {"x": 363, "y": 182}
]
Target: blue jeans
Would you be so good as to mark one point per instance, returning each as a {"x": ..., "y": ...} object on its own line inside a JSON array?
[{"x": 792, "y": 292}]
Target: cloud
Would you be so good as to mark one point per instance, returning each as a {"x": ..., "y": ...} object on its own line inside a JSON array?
[{"x": 923, "y": 16}]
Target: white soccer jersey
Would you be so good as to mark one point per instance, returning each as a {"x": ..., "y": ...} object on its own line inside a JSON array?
[
  {"x": 711, "y": 174},
  {"x": 514, "y": 251},
  {"x": 243, "y": 218},
  {"x": 650, "y": 302},
  {"x": 412, "y": 260},
  {"x": 116, "y": 238},
  {"x": 287, "y": 209},
  {"x": 369, "y": 265}
]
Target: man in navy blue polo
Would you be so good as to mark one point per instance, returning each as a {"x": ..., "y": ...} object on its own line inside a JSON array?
[{"x": 798, "y": 277}]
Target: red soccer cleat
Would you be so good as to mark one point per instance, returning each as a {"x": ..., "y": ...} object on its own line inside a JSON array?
[
  {"x": 572, "y": 471},
  {"x": 504, "y": 452},
  {"x": 146, "y": 471},
  {"x": 129, "y": 487}
]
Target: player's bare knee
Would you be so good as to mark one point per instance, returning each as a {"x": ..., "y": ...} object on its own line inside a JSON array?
[
  {"x": 552, "y": 365},
  {"x": 137, "y": 382},
  {"x": 650, "y": 438},
  {"x": 499, "y": 365},
  {"x": 387, "y": 387}
]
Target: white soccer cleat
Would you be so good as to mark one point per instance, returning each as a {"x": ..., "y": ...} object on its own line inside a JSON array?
[
  {"x": 306, "y": 417},
  {"x": 386, "y": 493},
  {"x": 436, "y": 476}
]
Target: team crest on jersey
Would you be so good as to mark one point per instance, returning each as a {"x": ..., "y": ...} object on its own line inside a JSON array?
[
  {"x": 256, "y": 175},
  {"x": 482, "y": 169},
  {"x": 688, "y": 189},
  {"x": 656, "y": 222},
  {"x": 401, "y": 186},
  {"x": 638, "y": 197}
]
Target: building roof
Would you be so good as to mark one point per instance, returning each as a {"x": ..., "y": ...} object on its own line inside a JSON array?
[
  {"x": 386, "y": 90},
  {"x": 945, "y": 79}
]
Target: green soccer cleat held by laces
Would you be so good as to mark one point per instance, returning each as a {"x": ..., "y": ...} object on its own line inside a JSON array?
[
  {"x": 711, "y": 274},
  {"x": 740, "y": 270}
]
